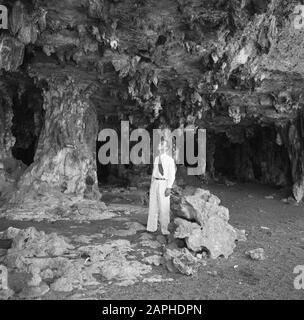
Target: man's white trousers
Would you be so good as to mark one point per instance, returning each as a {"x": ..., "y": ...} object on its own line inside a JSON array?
[{"x": 159, "y": 207}]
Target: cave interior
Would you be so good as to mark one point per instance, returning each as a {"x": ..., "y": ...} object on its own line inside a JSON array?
[{"x": 70, "y": 69}]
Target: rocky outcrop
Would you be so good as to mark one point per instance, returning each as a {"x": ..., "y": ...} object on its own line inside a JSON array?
[
  {"x": 208, "y": 228},
  {"x": 66, "y": 149},
  {"x": 64, "y": 162}
]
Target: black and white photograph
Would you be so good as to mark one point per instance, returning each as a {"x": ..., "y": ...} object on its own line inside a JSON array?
[{"x": 151, "y": 150}]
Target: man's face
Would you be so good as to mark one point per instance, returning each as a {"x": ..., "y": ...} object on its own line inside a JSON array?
[{"x": 163, "y": 147}]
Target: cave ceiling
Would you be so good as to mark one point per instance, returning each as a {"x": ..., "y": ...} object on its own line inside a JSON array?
[{"x": 225, "y": 63}]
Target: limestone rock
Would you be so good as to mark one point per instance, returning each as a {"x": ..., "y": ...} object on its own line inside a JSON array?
[
  {"x": 181, "y": 261},
  {"x": 161, "y": 239},
  {"x": 121, "y": 269},
  {"x": 31, "y": 243},
  {"x": 298, "y": 190},
  {"x": 199, "y": 205},
  {"x": 191, "y": 232},
  {"x": 47, "y": 274},
  {"x": 256, "y": 254},
  {"x": 218, "y": 237},
  {"x": 108, "y": 249},
  {"x": 11, "y": 53},
  {"x": 62, "y": 285},
  {"x": 7, "y": 140},
  {"x": 150, "y": 243},
  {"x": 34, "y": 292},
  {"x": 9, "y": 233},
  {"x": 155, "y": 260},
  {"x": 185, "y": 228},
  {"x": 110, "y": 261},
  {"x": 65, "y": 152},
  {"x": 146, "y": 236},
  {"x": 6, "y": 294},
  {"x": 50, "y": 204},
  {"x": 126, "y": 283},
  {"x": 241, "y": 235},
  {"x": 36, "y": 278},
  {"x": 47, "y": 257},
  {"x": 211, "y": 230}
]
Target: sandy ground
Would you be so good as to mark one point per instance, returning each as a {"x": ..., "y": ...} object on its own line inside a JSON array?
[{"x": 237, "y": 277}]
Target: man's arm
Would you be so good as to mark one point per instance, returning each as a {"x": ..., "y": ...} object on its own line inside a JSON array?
[
  {"x": 171, "y": 174},
  {"x": 155, "y": 164}
]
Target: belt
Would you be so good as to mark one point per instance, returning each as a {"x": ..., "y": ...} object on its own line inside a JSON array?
[{"x": 160, "y": 178}]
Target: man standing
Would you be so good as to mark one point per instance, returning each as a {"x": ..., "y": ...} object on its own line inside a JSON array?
[{"x": 163, "y": 177}]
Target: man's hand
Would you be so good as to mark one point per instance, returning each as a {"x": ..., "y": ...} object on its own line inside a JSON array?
[{"x": 168, "y": 192}]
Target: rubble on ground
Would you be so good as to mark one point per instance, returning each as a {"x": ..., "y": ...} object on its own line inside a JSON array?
[
  {"x": 155, "y": 260},
  {"x": 53, "y": 263},
  {"x": 150, "y": 243},
  {"x": 182, "y": 261},
  {"x": 58, "y": 264},
  {"x": 256, "y": 254}
]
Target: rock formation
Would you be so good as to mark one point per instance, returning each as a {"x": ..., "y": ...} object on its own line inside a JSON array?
[
  {"x": 203, "y": 223},
  {"x": 66, "y": 148}
]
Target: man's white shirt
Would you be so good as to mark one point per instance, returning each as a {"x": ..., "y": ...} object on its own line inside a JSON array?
[{"x": 169, "y": 169}]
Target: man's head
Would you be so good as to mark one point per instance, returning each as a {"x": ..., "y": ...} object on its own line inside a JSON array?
[{"x": 163, "y": 147}]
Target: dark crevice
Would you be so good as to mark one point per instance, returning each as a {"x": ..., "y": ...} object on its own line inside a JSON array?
[
  {"x": 27, "y": 123},
  {"x": 259, "y": 157}
]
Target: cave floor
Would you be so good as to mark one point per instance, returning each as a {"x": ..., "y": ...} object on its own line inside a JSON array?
[{"x": 269, "y": 223}]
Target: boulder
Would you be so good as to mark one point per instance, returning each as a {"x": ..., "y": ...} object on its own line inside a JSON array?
[
  {"x": 197, "y": 205},
  {"x": 203, "y": 223}
]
